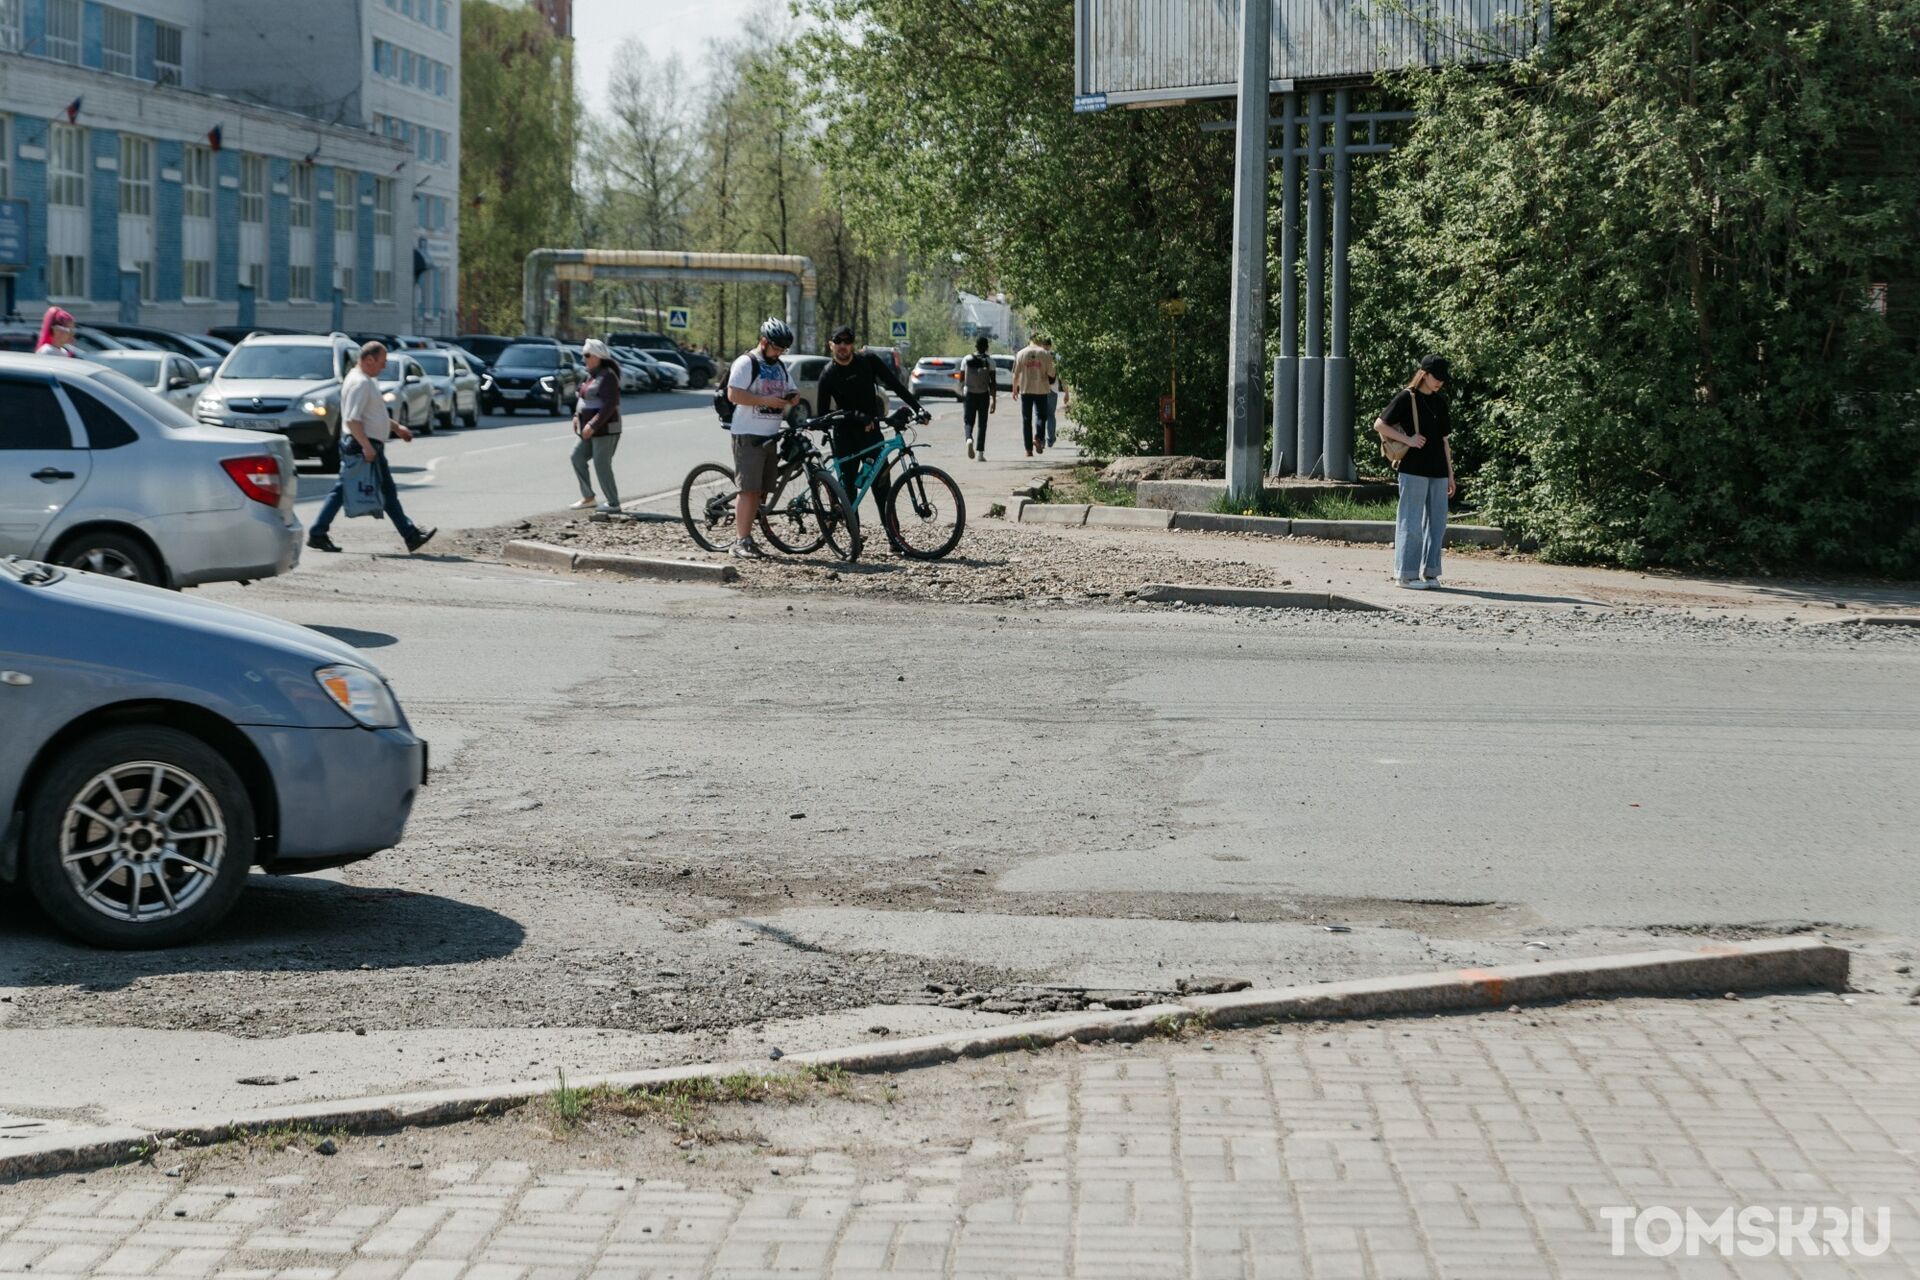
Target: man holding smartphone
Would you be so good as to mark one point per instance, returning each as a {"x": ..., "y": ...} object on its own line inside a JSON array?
[{"x": 762, "y": 391}]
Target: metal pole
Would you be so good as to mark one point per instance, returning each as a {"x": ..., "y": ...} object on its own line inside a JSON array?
[
  {"x": 1245, "y": 376},
  {"x": 1312, "y": 460},
  {"x": 1338, "y": 434},
  {"x": 1286, "y": 367}
]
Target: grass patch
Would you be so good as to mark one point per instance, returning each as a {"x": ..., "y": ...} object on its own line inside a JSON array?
[
  {"x": 1083, "y": 484},
  {"x": 683, "y": 1105},
  {"x": 567, "y": 1103},
  {"x": 1295, "y": 505}
]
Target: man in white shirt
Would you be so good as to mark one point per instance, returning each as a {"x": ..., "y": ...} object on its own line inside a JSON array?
[
  {"x": 368, "y": 426},
  {"x": 761, "y": 391}
]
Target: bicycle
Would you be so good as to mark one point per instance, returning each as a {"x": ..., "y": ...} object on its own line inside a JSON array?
[
  {"x": 925, "y": 493},
  {"x": 806, "y": 507}
]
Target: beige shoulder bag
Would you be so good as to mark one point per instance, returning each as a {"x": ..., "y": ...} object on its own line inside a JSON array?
[{"x": 1393, "y": 450}]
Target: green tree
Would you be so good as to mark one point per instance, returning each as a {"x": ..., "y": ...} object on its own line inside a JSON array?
[
  {"x": 1651, "y": 250},
  {"x": 519, "y": 125},
  {"x": 950, "y": 138}
]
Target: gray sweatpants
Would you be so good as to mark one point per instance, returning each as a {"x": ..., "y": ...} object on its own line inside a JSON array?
[{"x": 599, "y": 451}]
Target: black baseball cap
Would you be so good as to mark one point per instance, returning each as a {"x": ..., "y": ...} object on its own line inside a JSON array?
[
  {"x": 843, "y": 334},
  {"x": 1437, "y": 366}
]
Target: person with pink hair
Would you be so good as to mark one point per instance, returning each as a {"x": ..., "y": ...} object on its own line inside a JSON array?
[{"x": 56, "y": 333}]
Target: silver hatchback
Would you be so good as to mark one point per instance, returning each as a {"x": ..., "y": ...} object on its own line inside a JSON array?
[{"x": 98, "y": 473}]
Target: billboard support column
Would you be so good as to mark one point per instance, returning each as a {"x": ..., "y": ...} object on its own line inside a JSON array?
[
  {"x": 1246, "y": 375},
  {"x": 1313, "y": 450},
  {"x": 1338, "y": 434},
  {"x": 1286, "y": 366}
]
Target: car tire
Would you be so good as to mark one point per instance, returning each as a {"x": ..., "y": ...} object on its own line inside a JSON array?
[
  {"x": 446, "y": 421},
  {"x": 162, "y": 767},
  {"x": 116, "y": 555},
  {"x": 471, "y": 419},
  {"x": 426, "y": 427}
]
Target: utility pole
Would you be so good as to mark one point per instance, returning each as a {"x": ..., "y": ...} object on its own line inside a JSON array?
[{"x": 1246, "y": 400}]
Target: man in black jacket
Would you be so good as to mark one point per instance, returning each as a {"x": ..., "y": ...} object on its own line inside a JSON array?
[{"x": 853, "y": 381}]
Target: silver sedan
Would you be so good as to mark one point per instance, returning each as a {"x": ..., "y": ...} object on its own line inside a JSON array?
[
  {"x": 98, "y": 473},
  {"x": 404, "y": 387},
  {"x": 456, "y": 387},
  {"x": 174, "y": 378}
]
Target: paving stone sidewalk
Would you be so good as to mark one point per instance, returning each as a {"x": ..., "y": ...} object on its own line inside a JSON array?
[{"x": 1481, "y": 1147}]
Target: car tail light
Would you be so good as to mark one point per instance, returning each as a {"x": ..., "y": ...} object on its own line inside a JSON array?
[{"x": 258, "y": 478}]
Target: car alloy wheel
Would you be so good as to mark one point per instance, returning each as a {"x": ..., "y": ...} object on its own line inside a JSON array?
[
  {"x": 109, "y": 562},
  {"x": 143, "y": 841}
]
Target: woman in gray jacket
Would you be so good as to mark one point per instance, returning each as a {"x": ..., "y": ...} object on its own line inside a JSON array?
[{"x": 596, "y": 421}]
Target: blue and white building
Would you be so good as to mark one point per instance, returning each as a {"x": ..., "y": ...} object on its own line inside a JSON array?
[{"x": 274, "y": 162}]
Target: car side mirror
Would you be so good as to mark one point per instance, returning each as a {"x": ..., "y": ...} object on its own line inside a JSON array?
[
  {"x": 414, "y": 375},
  {"x": 178, "y": 384}
]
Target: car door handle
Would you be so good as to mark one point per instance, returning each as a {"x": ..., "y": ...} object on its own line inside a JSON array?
[{"x": 50, "y": 474}]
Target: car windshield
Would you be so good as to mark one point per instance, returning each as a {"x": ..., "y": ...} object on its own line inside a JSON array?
[
  {"x": 142, "y": 369},
  {"x": 434, "y": 366},
  {"x": 263, "y": 360},
  {"x": 159, "y": 408},
  {"x": 529, "y": 356},
  {"x": 392, "y": 372}
]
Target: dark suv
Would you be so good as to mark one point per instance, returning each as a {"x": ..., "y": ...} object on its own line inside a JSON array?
[
  {"x": 701, "y": 370},
  {"x": 542, "y": 376}
]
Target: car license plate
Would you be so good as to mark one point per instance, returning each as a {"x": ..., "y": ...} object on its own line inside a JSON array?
[
  {"x": 515, "y": 395},
  {"x": 251, "y": 424}
]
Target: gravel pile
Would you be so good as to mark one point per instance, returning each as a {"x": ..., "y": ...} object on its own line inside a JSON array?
[{"x": 996, "y": 563}]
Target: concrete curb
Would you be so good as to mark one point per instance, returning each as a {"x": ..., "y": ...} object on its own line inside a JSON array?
[
  {"x": 1872, "y": 620},
  {"x": 1250, "y": 597},
  {"x": 1212, "y": 522},
  {"x": 1770, "y": 964},
  {"x": 549, "y": 556},
  {"x": 1071, "y": 514},
  {"x": 1128, "y": 518}
]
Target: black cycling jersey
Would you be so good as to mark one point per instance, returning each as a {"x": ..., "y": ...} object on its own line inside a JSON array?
[{"x": 856, "y": 385}]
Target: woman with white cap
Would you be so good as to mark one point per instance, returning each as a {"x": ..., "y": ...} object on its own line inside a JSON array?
[{"x": 597, "y": 422}]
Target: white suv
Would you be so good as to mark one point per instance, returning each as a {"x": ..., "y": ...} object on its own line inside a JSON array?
[{"x": 288, "y": 384}]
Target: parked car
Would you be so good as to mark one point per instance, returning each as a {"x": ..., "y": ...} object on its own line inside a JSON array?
[
  {"x": 532, "y": 375},
  {"x": 456, "y": 387},
  {"x": 174, "y": 378},
  {"x": 87, "y": 340},
  {"x": 701, "y": 370},
  {"x": 201, "y": 351},
  {"x": 936, "y": 376},
  {"x": 485, "y": 347},
  {"x": 157, "y": 749},
  {"x": 672, "y": 376},
  {"x": 805, "y": 371},
  {"x": 646, "y": 377},
  {"x": 98, "y": 473},
  {"x": 237, "y": 334},
  {"x": 288, "y": 384},
  {"x": 410, "y": 399}
]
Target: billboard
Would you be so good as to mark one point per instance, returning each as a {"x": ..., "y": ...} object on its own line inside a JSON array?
[{"x": 1141, "y": 52}]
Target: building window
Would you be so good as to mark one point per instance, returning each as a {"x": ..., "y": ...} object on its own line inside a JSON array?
[
  {"x": 346, "y": 200},
  {"x": 383, "y": 206},
  {"x": 300, "y": 196},
  {"x": 136, "y": 176},
  {"x": 116, "y": 45},
  {"x": 146, "y": 280},
  {"x": 197, "y": 181},
  {"x": 67, "y": 166},
  {"x": 10, "y": 34},
  {"x": 300, "y": 284},
  {"x": 440, "y": 79},
  {"x": 343, "y": 280},
  {"x": 253, "y": 188},
  {"x": 63, "y": 30},
  {"x": 254, "y": 275},
  {"x": 66, "y": 275},
  {"x": 382, "y": 57},
  {"x": 196, "y": 281},
  {"x": 169, "y": 47},
  {"x": 440, "y": 14}
]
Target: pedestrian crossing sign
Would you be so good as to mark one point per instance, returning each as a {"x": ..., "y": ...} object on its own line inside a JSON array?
[
  {"x": 679, "y": 319},
  {"x": 899, "y": 330}
]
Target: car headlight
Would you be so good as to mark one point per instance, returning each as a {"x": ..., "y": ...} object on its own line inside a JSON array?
[
  {"x": 486, "y": 380},
  {"x": 361, "y": 694},
  {"x": 318, "y": 408},
  {"x": 387, "y": 396},
  {"x": 206, "y": 404},
  {"x": 546, "y": 384}
]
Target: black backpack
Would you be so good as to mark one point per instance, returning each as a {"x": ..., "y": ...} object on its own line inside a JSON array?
[{"x": 725, "y": 407}]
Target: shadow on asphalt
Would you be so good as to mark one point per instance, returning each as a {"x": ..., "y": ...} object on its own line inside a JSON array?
[
  {"x": 1517, "y": 597},
  {"x": 280, "y": 923},
  {"x": 358, "y": 639}
]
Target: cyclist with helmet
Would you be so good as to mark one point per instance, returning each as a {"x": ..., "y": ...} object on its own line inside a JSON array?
[
  {"x": 853, "y": 381},
  {"x": 762, "y": 391}
]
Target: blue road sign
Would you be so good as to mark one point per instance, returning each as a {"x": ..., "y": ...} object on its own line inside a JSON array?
[
  {"x": 679, "y": 318},
  {"x": 899, "y": 330}
]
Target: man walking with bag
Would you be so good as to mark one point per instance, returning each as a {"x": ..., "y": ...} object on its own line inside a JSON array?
[
  {"x": 1033, "y": 371},
  {"x": 368, "y": 427}
]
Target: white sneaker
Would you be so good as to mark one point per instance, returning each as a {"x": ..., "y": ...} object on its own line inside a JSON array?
[
  {"x": 581, "y": 505},
  {"x": 1430, "y": 583},
  {"x": 1410, "y": 584},
  {"x": 607, "y": 509},
  {"x": 746, "y": 549}
]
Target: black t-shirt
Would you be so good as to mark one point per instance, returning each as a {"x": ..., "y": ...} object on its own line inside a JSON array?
[
  {"x": 1431, "y": 459},
  {"x": 856, "y": 385}
]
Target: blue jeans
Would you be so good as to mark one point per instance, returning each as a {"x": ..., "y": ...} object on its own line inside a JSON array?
[
  {"x": 1419, "y": 527},
  {"x": 390, "y": 496}
]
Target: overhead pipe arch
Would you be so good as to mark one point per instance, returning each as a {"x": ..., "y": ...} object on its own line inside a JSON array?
[{"x": 794, "y": 272}]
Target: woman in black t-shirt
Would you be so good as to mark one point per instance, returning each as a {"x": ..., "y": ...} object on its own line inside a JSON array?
[{"x": 1417, "y": 418}]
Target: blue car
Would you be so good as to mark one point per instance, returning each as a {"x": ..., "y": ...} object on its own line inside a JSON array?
[{"x": 157, "y": 747}]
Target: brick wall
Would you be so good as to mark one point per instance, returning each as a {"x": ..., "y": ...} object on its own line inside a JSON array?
[
  {"x": 168, "y": 206},
  {"x": 103, "y": 215}
]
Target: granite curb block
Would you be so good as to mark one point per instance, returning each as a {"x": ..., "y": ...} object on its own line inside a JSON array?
[
  {"x": 1128, "y": 518},
  {"x": 1071, "y": 514},
  {"x": 1770, "y": 964},
  {"x": 1212, "y": 522},
  {"x": 1744, "y": 966},
  {"x": 549, "y": 556},
  {"x": 1250, "y": 597}
]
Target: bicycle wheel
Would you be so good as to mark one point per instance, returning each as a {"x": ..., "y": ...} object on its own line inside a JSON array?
[
  {"x": 706, "y": 505},
  {"x": 837, "y": 517},
  {"x": 789, "y": 517},
  {"x": 925, "y": 513}
]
